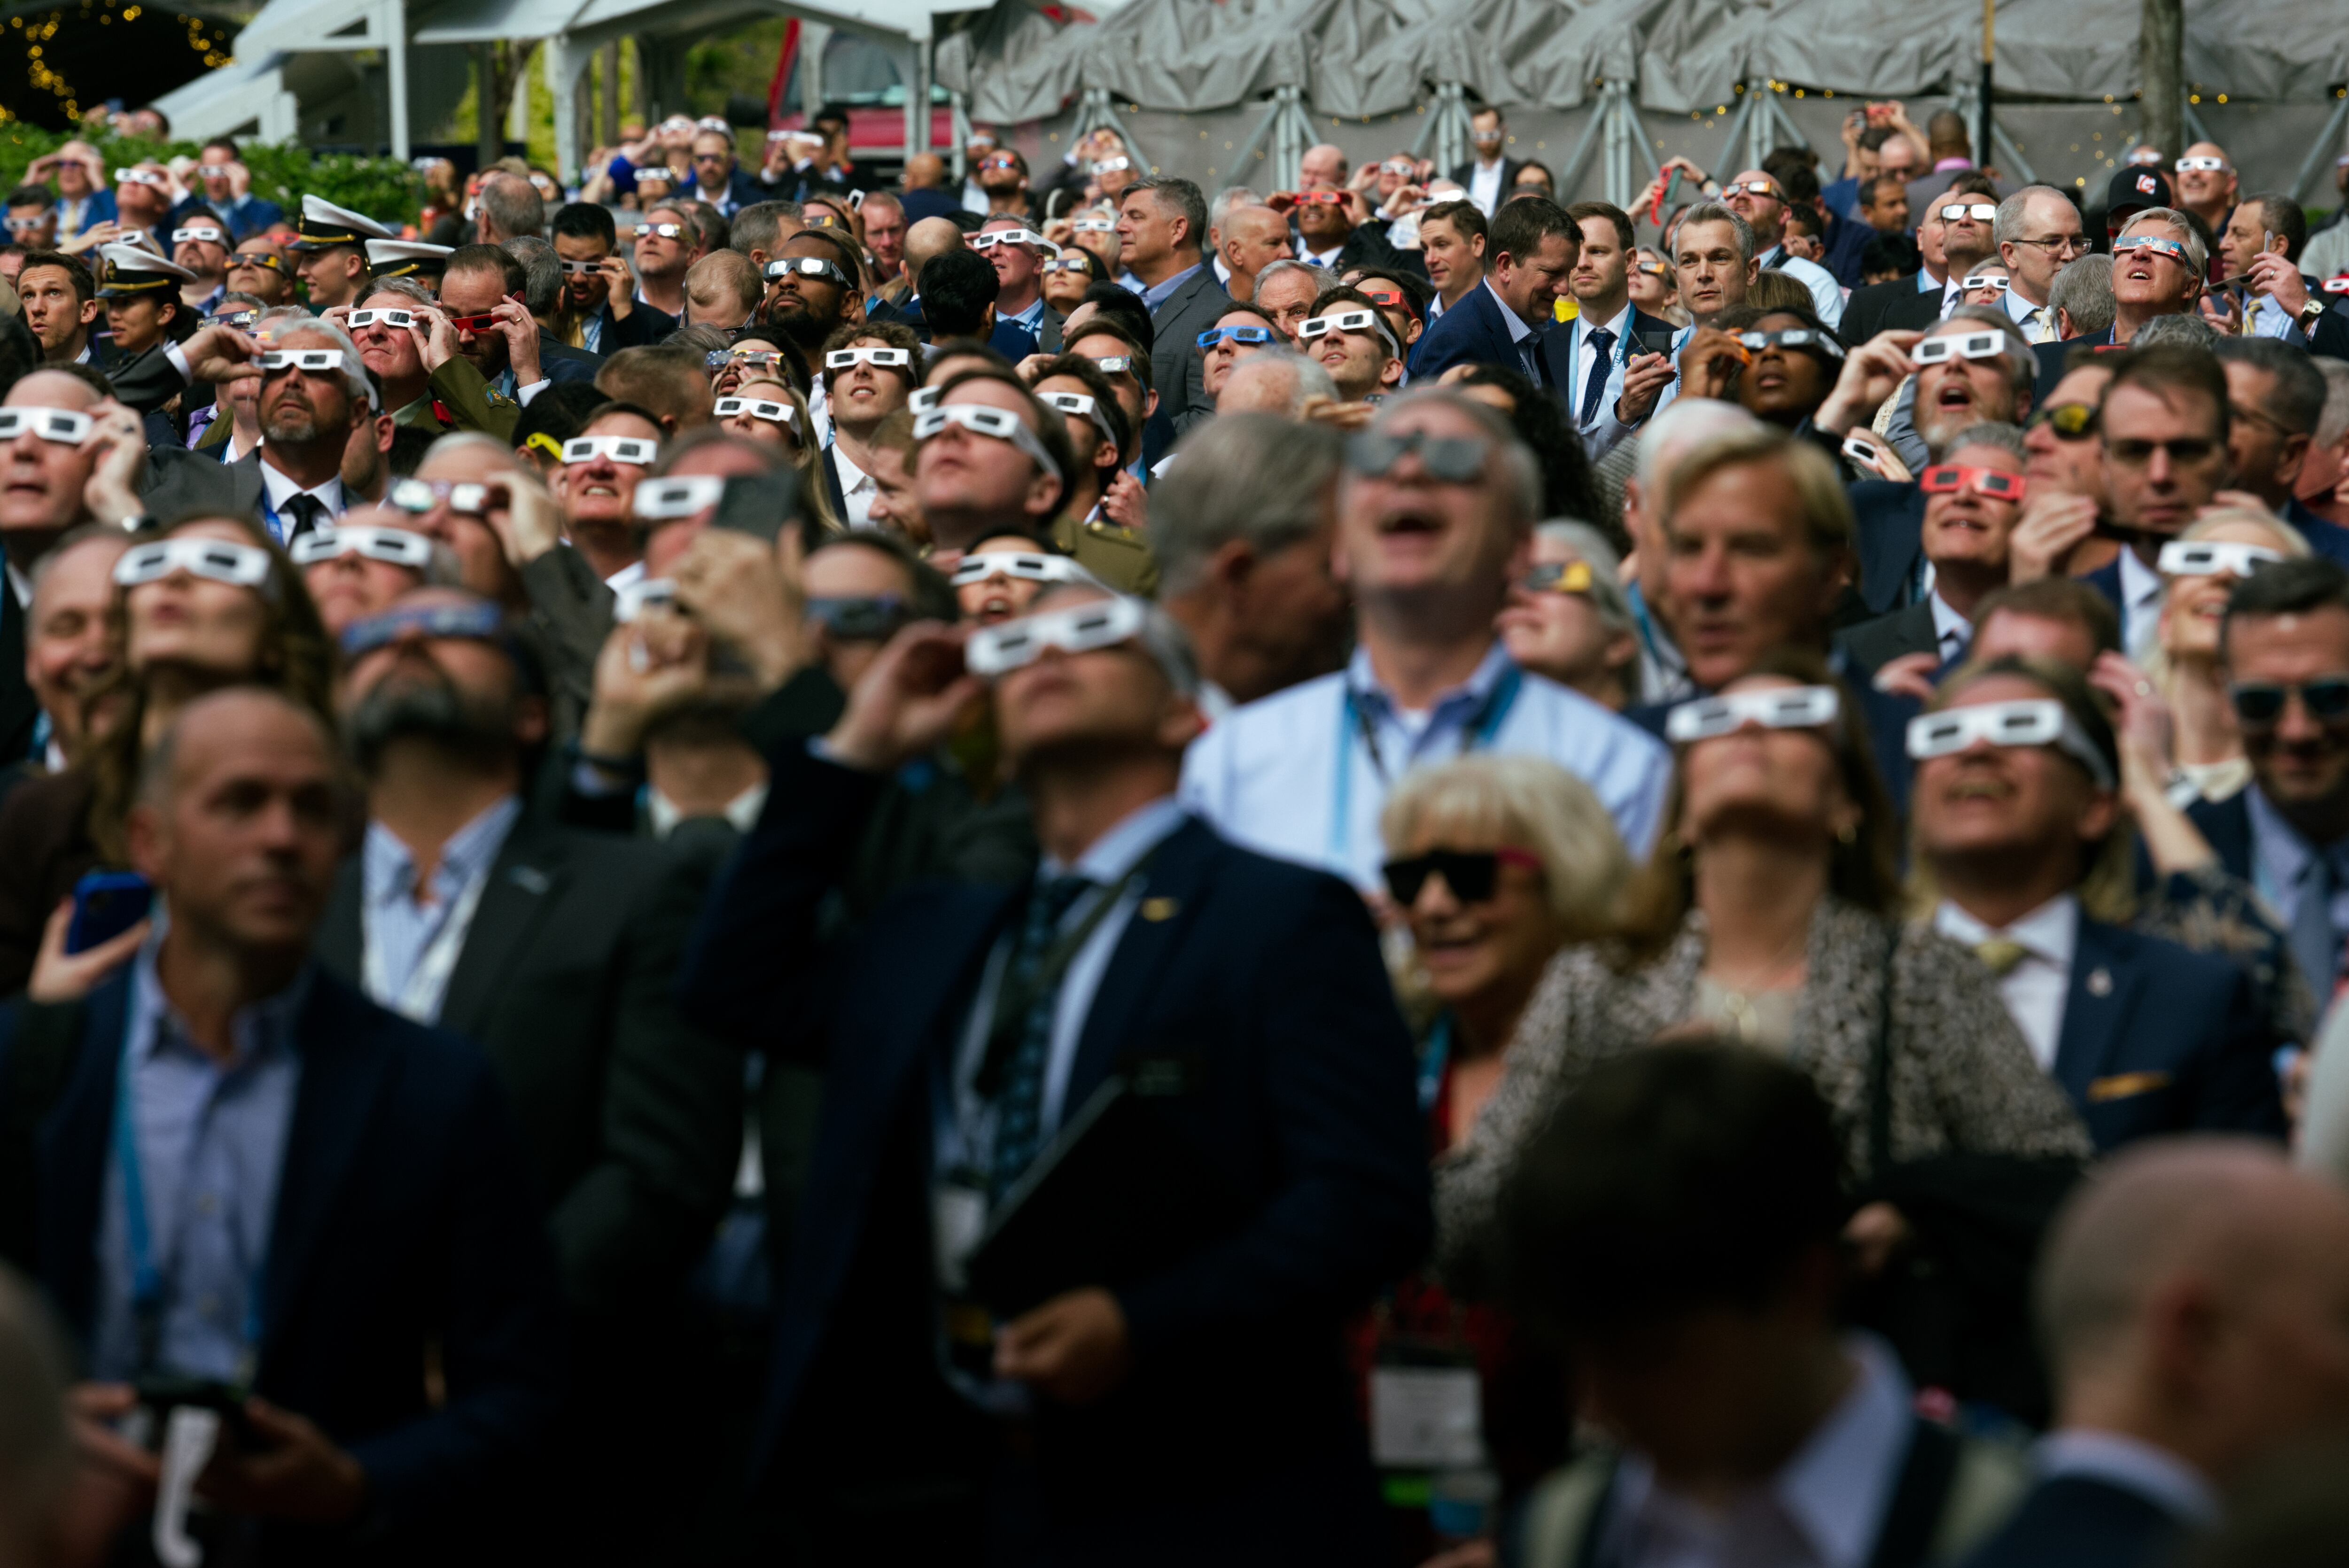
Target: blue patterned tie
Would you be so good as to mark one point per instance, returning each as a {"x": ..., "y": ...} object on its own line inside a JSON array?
[
  {"x": 2313, "y": 941},
  {"x": 1596, "y": 381},
  {"x": 1019, "y": 1108}
]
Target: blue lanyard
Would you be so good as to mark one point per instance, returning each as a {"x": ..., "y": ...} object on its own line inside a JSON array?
[
  {"x": 1352, "y": 721},
  {"x": 1433, "y": 1056},
  {"x": 147, "y": 1285}
]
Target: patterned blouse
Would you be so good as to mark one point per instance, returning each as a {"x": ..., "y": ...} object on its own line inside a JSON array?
[{"x": 1962, "y": 1080}]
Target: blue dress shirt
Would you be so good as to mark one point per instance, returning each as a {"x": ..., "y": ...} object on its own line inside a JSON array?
[
  {"x": 208, "y": 1143},
  {"x": 399, "y": 929},
  {"x": 1275, "y": 775},
  {"x": 1156, "y": 295}
]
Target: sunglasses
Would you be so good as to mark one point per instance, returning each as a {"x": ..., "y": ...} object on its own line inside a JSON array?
[
  {"x": 1860, "y": 449},
  {"x": 1980, "y": 211},
  {"x": 1996, "y": 283},
  {"x": 2153, "y": 243},
  {"x": 267, "y": 260},
  {"x": 1471, "y": 875},
  {"x": 1749, "y": 188},
  {"x": 393, "y": 546},
  {"x": 922, "y": 399},
  {"x": 1247, "y": 334},
  {"x": 998, "y": 424},
  {"x": 2200, "y": 165},
  {"x": 2259, "y": 705},
  {"x": 63, "y": 426},
  {"x": 141, "y": 177},
  {"x": 2036, "y": 721},
  {"x": 474, "y": 323},
  {"x": 576, "y": 269},
  {"x": 1949, "y": 478},
  {"x": 998, "y": 649},
  {"x": 1111, "y": 165},
  {"x": 1020, "y": 563},
  {"x": 748, "y": 359},
  {"x": 658, "y": 231},
  {"x": 401, "y": 318},
  {"x": 661, "y": 500},
  {"x": 1362, "y": 321},
  {"x": 998, "y": 161},
  {"x": 805, "y": 267},
  {"x": 1654, "y": 269},
  {"x": 865, "y": 618},
  {"x": 26, "y": 225},
  {"x": 1392, "y": 298},
  {"x": 758, "y": 408},
  {"x": 1793, "y": 337},
  {"x": 823, "y": 218},
  {"x": 479, "y": 623},
  {"x": 2211, "y": 558},
  {"x": 1094, "y": 226},
  {"x": 1114, "y": 364},
  {"x": 631, "y": 449},
  {"x": 212, "y": 236},
  {"x": 2130, "y": 452},
  {"x": 236, "y": 318},
  {"x": 1785, "y": 707},
  {"x": 310, "y": 360},
  {"x": 239, "y": 566},
  {"x": 849, "y": 358},
  {"x": 994, "y": 237},
  {"x": 634, "y": 599},
  {"x": 1558, "y": 577},
  {"x": 2067, "y": 421},
  {"x": 417, "y": 497},
  {"x": 1320, "y": 198},
  {"x": 1069, "y": 264},
  {"x": 1455, "y": 460},
  {"x": 1398, "y": 166},
  {"x": 1969, "y": 345}
]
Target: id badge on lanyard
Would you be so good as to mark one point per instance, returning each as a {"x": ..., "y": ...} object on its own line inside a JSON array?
[{"x": 427, "y": 983}]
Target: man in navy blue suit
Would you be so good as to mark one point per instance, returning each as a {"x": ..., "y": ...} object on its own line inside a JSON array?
[
  {"x": 2017, "y": 811},
  {"x": 236, "y": 1170},
  {"x": 1511, "y": 320},
  {"x": 2276, "y": 395},
  {"x": 1233, "y": 1009},
  {"x": 2157, "y": 1273}
]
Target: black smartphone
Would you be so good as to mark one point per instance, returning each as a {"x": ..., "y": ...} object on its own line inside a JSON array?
[
  {"x": 759, "y": 504},
  {"x": 1652, "y": 341},
  {"x": 107, "y": 904}
]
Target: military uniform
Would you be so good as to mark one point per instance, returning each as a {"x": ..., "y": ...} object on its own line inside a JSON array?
[
  {"x": 1118, "y": 556},
  {"x": 457, "y": 398}
]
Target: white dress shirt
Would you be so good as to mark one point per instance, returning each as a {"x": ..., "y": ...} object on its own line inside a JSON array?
[
  {"x": 2140, "y": 606},
  {"x": 1601, "y": 435},
  {"x": 1952, "y": 631},
  {"x": 1484, "y": 185},
  {"x": 1325, "y": 259},
  {"x": 1523, "y": 338},
  {"x": 1827, "y": 293},
  {"x": 2037, "y": 321},
  {"x": 627, "y": 577},
  {"x": 277, "y": 488},
  {"x": 2034, "y": 990},
  {"x": 858, "y": 488}
]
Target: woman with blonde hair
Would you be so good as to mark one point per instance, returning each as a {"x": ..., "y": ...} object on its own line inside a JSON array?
[
  {"x": 774, "y": 412},
  {"x": 2199, "y": 568}
]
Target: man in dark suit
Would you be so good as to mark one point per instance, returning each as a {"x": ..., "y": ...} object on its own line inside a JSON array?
[
  {"x": 1337, "y": 231},
  {"x": 597, "y": 287},
  {"x": 1492, "y": 173},
  {"x": 2145, "y": 1035},
  {"x": 1529, "y": 256},
  {"x": 278, "y": 1115},
  {"x": 1906, "y": 305},
  {"x": 1161, "y": 225},
  {"x": 2277, "y": 397},
  {"x": 46, "y": 492},
  {"x": 1232, "y": 1008},
  {"x": 1618, "y": 374},
  {"x": 1962, "y": 529},
  {"x": 2154, "y": 1271}
]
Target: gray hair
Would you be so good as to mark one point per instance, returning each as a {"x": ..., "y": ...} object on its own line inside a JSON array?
[
  {"x": 1517, "y": 478},
  {"x": 1530, "y": 801},
  {"x": 1307, "y": 377},
  {"x": 760, "y": 226},
  {"x": 2083, "y": 291},
  {"x": 2007, "y": 438},
  {"x": 355, "y": 379},
  {"x": 513, "y": 204},
  {"x": 1230, "y": 197},
  {"x": 541, "y": 272},
  {"x": 408, "y": 289},
  {"x": 1686, "y": 423},
  {"x": 36, "y": 1449},
  {"x": 1185, "y": 200},
  {"x": 1323, "y": 279},
  {"x": 2334, "y": 423},
  {"x": 1596, "y": 552},
  {"x": 2022, "y": 363},
  {"x": 2183, "y": 330},
  {"x": 1714, "y": 212},
  {"x": 2007, "y": 227},
  {"x": 2182, "y": 229},
  {"x": 1253, "y": 477},
  {"x": 471, "y": 440}
]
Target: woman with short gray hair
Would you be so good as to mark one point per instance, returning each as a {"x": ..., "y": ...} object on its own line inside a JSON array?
[{"x": 1567, "y": 617}]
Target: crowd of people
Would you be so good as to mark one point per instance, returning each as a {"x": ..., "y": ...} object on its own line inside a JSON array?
[{"x": 753, "y": 869}]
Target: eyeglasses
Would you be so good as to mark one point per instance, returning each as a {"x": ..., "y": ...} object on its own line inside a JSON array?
[
  {"x": 998, "y": 649},
  {"x": 1111, "y": 165},
  {"x": 2154, "y": 245},
  {"x": 1980, "y": 211},
  {"x": 1949, "y": 478},
  {"x": 1252, "y": 335},
  {"x": 2066, "y": 421},
  {"x": 393, "y": 546},
  {"x": 215, "y": 170},
  {"x": 2200, "y": 165},
  {"x": 1558, "y": 577},
  {"x": 1362, "y": 321},
  {"x": 682, "y": 495},
  {"x": 748, "y": 359},
  {"x": 998, "y": 424},
  {"x": 2035, "y": 721},
  {"x": 865, "y": 618},
  {"x": 1320, "y": 198},
  {"x": 805, "y": 267},
  {"x": 63, "y": 426},
  {"x": 1969, "y": 345},
  {"x": 998, "y": 161},
  {"x": 2070, "y": 244},
  {"x": 631, "y": 449},
  {"x": 418, "y": 496},
  {"x": 2132, "y": 453},
  {"x": 219, "y": 560},
  {"x": 658, "y": 231},
  {"x": 2259, "y": 704},
  {"x": 141, "y": 177},
  {"x": 310, "y": 361},
  {"x": 236, "y": 318},
  {"x": 1782, "y": 708},
  {"x": 1093, "y": 226},
  {"x": 849, "y": 358},
  {"x": 182, "y": 236},
  {"x": 1472, "y": 875},
  {"x": 1654, "y": 269},
  {"x": 1455, "y": 460},
  {"x": 922, "y": 399},
  {"x": 1020, "y": 563},
  {"x": 1793, "y": 337},
  {"x": 400, "y": 318},
  {"x": 474, "y": 322},
  {"x": 268, "y": 259},
  {"x": 476, "y": 622},
  {"x": 758, "y": 408},
  {"x": 1750, "y": 187},
  {"x": 633, "y": 599},
  {"x": 994, "y": 237},
  {"x": 1083, "y": 404},
  {"x": 2214, "y": 557},
  {"x": 1398, "y": 166},
  {"x": 1067, "y": 264},
  {"x": 1997, "y": 283},
  {"x": 574, "y": 269},
  {"x": 1114, "y": 364},
  {"x": 28, "y": 225}
]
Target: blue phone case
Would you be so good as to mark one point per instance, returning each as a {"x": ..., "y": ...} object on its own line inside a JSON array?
[{"x": 107, "y": 904}]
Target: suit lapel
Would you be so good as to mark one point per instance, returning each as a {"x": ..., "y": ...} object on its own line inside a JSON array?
[
  {"x": 1172, "y": 897},
  {"x": 341, "y": 945},
  {"x": 2096, "y": 1006},
  {"x": 345, "y": 1057},
  {"x": 529, "y": 873},
  {"x": 72, "y": 1144}
]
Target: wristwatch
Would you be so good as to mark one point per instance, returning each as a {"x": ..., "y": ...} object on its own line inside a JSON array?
[{"x": 2311, "y": 311}]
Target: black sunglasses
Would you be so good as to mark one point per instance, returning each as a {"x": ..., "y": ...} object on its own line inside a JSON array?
[
  {"x": 2070, "y": 421},
  {"x": 2259, "y": 705},
  {"x": 1471, "y": 875},
  {"x": 875, "y": 618},
  {"x": 1455, "y": 460}
]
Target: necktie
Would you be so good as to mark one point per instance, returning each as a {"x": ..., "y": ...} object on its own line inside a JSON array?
[
  {"x": 301, "y": 512},
  {"x": 2000, "y": 954},
  {"x": 1019, "y": 1108},
  {"x": 2034, "y": 324},
  {"x": 1596, "y": 381},
  {"x": 2314, "y": 943}
]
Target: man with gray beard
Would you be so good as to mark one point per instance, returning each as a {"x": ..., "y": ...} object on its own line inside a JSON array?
[{"x": 557, "y": 950}]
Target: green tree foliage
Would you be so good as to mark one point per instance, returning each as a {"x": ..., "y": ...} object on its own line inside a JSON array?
[{"x": 383, "y": 188}]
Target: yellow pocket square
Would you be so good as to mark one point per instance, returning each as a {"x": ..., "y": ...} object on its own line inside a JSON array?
[{"x": 2121, "y": 1086}]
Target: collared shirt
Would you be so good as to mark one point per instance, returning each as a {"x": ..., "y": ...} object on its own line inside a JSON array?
[
  {"x": 590, "y": 330},
  {"x": 2280, "y": 860},
  {"x": 2156, "y": 1475},
  {"x": 2037, "y": 321},
  {"x": 1952, "y": 631},
  {"x": 1523, "y": 338},
  {"x": 1291, "y": 775},
  {"x": 2034, "y": 990},
  {"x": 627, "y": 576},
  {"x": 2140, "y": 606},
  {"x": 1223, "y": 272},
  {"x": 1600, "y": 436},
  {"x": 400, "y": 927},
  {"x": 504, "y": 386},
  {"x": 1155, "y": 294},
  {"x": 209, "y": 1140},
  {"x": 1927, "y": 282},
  {"x": 1033, "y": 318},
  {"x": 663, "y": 814},
  {"x": 1664, "y": 672},
  {"x": 1823, "y": 1509},
  {"x": 1485, "y": 184},
  {"x": 858, "y": 488},
  {"x": 277, "y": 488},
  {"x": 2269, "y": 319},
  {"x": 1325, "y": 259}
]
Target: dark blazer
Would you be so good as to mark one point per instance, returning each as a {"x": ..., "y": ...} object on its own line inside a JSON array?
[
  {"x": 44, "y": 847},
  {"x": 2325, "y": 537},
  {"x": 1889, "y": 521},
  {"x": 1874, "y": 643},
  {"x": 2076, "y": 1521},
  {"x": 643, "y": 325},
  {"x": 559, "y": 362},
  {"x": 406, "y": 1231},
  {"x": 1473, "y": 333},
  {"x": 2051, "y": 357},
  {"x": 1643, "y": 324},
  {"x": 1263, "y": 979},
  {"x": 20, "y": 712},
  {"x": 1898, "y": 304},
  {"x": 1177, "y": 370},
  {"x": 1368, "y": 246},
  {"x": 2159, "y": 1038},
  {"x": 1011, "y": 340},
  {"x": 631, "y": 1118},
  {"x": 2227, "y": 826},
  {"x": 1509, "y": 167},
  {"x": 179, "y": 482}
]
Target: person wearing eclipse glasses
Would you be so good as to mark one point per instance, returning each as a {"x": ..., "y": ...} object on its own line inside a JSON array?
[
  {"x": 1145, "y": 937},
  {"x": 869, "y": 372}
]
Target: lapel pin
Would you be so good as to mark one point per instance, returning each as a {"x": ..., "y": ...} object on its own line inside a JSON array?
[
  {"x": 2100, "y": 982},
  {"x": 1156, "y": 909}
]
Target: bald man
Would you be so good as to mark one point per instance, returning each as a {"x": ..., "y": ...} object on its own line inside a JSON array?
[
  {"x": 1323, "y": 168},
  {"x": 925, "y": 194},
  {"x": 2194, "y": 1303},
  {"x": 1252, "y": 239},
  {"x": 924, "y": 243}
]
